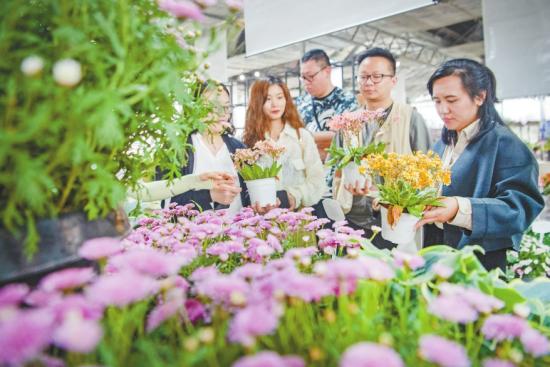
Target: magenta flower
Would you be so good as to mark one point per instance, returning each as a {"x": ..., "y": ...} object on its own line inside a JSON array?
[
  {"x": 494, "y": 362},
  {"x": 100, "y": 248},
  {"x": 535, "y": 343},
  {"x": 224, "y": 249},
  {"x": 269, "y": 359},
  {"x": 444, "y": 352},
  {"x": 149, "y": 261},
  {"x": 370, "y": 355},
  {"x": 77, "y": 334},
  {"x": 24, "y": 336},
  {"x": 182, "y": 9},
  {"x": 67, "y": 279},
  {"x": 503, "y": 327},
  {"x": 452, "y": 308},
  {"x": 251, "y": 322},
  {"x": 195, "y": 310},
  {"x": 13, "y": 294},
  {"x": 121, "y": 289}
]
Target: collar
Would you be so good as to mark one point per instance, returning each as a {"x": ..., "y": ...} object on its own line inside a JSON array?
[
  {"x": 287, "y": 130},
  {"x": 328, "y": 96},
  {"x": 469, "y": 131}
]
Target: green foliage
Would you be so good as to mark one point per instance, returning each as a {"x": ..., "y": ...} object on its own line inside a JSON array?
[
  {"x": 339, "y": 157},
  {"x": 404, "y": 195},
  {"x": 66, "y": 149},
  {"x": 256, "y": 172}
]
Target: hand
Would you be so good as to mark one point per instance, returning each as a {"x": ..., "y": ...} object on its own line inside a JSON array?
[
  {"x": 264, "y": 209},
  {"x": 358, "y": 190},
  {"x": 224, "y": 193},
  {"x": 441, "y": 214},
  {"x": 217, "y": 176},
  {"x": 291, "y": 201}
]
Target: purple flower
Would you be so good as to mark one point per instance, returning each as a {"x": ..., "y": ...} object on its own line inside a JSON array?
[
  {"x": 403, "y": 259},
  {"x": 482, "y": 302},
  {"x": 377, "y": 269},
  {"x": 67, "y": 279},
  {"x": 269, "y": 359},
  {"x": 40, "y": 298},
  {"x": 224, "y": 249},
  {"x": 121, "y": 289},
  {"x": 13, "y": 294},
  {"x": 370, "y": 355},
  {"x": 182, "y": 9},
  {"x": 220, "y": 288},
  {"x": 235, "y": 4},
  {"x": 174, "y": 301},
  {"x": 251, "y": 322},
  {"x": 62, "y": 306},
  {"x": 149, "y": 261},
  {"x": 494, "y": 362},
  {"x": 248, "y": 271},
  {"x": 535, "y": 343},
  {"x": 23, "y": 336},
  {"x": 77, "y": 334},
  {"x": 444, "y": 352},
  {"x": 443, "y": 271},
  {"x": 503, "y": 327},
  {"x": 306, "y": 287},
  {"x": 452, "y": 308},
  {"x": 99, "y": 248}
]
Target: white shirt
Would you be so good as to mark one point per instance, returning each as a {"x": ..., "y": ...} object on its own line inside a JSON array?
[
  {"x": 302, "y": 174},
  {"x": 206, "y": 161},
  {"x": 451, "y": 154}
]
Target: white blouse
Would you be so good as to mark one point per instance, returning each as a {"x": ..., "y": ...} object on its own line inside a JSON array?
[
  {"x": 206, "y": 161},
  {"x": 302, "y": 174}
]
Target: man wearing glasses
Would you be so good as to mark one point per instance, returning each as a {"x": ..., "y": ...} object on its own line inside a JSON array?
[
  {"x": 323, "y": 100},
  {"x": 403, "y": 130}
]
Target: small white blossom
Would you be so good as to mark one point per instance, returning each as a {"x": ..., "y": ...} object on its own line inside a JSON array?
[
  {"x": 67, "y": 72},
  {"x": 32, "y": 65}
]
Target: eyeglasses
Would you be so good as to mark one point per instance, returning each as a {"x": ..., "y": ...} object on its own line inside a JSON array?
[
  {"x": 376, "y": 78},
  {"x": 310, "y": 78}
]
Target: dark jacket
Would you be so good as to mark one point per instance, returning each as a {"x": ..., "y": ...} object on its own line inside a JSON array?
[
  {"x": 202, "y": 198},
  {"x": 499, "y": 175}
]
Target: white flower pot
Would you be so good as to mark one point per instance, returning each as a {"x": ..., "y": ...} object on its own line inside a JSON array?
[
  {"x": 351, "y": 175},
  {"x": 403, "y": 234},
  {"x": 263, "y": 191}
]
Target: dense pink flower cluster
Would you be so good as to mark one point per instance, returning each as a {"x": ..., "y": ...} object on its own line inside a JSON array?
[{"x": 352, "y": 122}]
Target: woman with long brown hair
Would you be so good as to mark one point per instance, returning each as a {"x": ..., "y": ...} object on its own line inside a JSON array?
[{"x": 272, "y": 115}]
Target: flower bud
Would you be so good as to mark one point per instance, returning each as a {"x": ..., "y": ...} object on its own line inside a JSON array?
[
  {"x": 32, "y": 65},
  {"x": 67, "y": 72}
]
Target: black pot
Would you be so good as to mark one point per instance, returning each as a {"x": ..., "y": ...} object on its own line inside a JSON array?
[{"x": 60, "y": 240}]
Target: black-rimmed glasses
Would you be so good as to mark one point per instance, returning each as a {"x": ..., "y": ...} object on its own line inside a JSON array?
[
  {"x": 309, "y": 78},
  {"x": 376, "y": 78}
]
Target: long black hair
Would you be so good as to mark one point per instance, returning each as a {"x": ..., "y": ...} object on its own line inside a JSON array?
[{"x": 476, "y": 79}]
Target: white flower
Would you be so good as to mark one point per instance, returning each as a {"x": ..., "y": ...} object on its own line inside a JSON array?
[
  {"x": 264, "y": 250},
  {"x": 522, "y": 310},
  {"x": 67, "y": 72},
  {"x": 32, "y": 65},
  {"x": 528, "y": 270}
]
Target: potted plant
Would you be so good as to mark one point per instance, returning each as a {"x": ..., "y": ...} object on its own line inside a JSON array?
[
  {"x": 259, "y": 168},
  {"x": 88, "y": 91},
  {"x": 407, "y": 183},
  {"x": 351, "y": 152}
]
